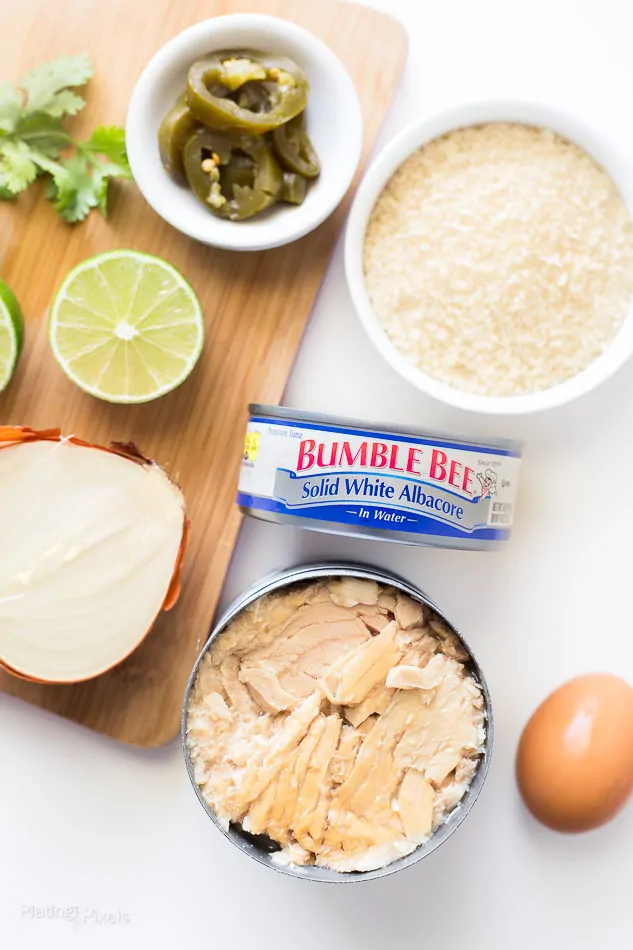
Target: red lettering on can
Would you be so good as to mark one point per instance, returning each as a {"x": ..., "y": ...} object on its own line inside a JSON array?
[
  {"x": 467, "y": 479},
  {"x": 393, "y": 459},
  {"x": 349, "y": 459},
  {"x": 453, "y": 473},
  {"x": 413, "y": 457},
  {"x": 437, "y": 470},
  {"x": 306, "y": 455},
  {"x": 378, "y": 453},
  {"x": 322, "y": 462}
]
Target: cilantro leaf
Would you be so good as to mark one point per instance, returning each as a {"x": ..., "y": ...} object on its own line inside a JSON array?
[
  {"x": 110, "y": 142},
  {"x": 5, "y": 194},
  {"x": 34, "y": 141},
  {"x": 10, "y": 107},
  {"x": 81, "y": 183},
  {"x": 44, "y": 133},
  {"x": 47, "y": 85},
  {"x": 65, "y": 102},
  {"x": 101, "y": 194},
  {"x": 17, "y": 167},
  {"x": 46, "y": 164},
  {"x": 76, "y": 189}
]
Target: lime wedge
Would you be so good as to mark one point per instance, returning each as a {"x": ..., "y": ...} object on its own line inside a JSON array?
[
  {"x": 11, "y": 333},
  {"x": 126, "y": 327}
]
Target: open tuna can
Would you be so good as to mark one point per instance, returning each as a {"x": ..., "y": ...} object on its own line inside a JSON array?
[{"x": 336, "y": 726}]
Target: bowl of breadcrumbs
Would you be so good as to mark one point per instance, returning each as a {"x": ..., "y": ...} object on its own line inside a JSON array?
[{"x": 489, "y": 253}]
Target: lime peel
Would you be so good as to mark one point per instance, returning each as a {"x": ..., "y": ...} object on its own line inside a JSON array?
[{"x": 126, "y": 327}]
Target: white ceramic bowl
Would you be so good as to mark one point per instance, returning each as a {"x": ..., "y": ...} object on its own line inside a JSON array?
[
  {"x": 333, "y": 117},
  {"x": 390, "y": 159}
]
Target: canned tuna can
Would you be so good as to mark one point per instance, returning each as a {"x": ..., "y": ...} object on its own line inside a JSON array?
[
  {"x": 261, "y": 847},
  {"x": 352, "y": 477}
]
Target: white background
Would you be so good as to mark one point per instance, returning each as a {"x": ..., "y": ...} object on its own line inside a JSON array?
[{"x": 89, "y": 823}]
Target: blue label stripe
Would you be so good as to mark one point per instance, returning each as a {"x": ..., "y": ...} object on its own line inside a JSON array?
[
  {"x": 349, "y": 513},
  {"x": 391, "y": 436},
  {"x": 398, "y": 508},
  {"x": 367, "y": 473}
]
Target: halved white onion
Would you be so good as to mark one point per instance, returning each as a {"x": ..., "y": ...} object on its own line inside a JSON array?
[{"x": 91, "y": 546}]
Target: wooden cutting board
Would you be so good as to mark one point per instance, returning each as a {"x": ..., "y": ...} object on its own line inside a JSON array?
[{"x": 256, "y": 307}]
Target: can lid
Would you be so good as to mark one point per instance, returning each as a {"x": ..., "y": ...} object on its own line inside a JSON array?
[{"x": 515, "y": 446}]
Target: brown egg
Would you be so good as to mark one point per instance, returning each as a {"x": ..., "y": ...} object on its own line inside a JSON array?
[{"x": 575, "y": 758}]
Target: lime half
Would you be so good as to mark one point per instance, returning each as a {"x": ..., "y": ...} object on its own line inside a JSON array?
[
  {"x": 11, "y": 333},
  {"x": 126, "y": 327}
]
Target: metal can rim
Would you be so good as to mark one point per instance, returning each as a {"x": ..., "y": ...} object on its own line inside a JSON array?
[
  {"x": 284, "y": 578},
  {"x": 515, "y": 446}
]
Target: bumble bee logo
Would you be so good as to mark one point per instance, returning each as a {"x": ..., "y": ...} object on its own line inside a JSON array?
[
  {"x": 251, "y": 445},
  {"x": 488, "y": 482}
]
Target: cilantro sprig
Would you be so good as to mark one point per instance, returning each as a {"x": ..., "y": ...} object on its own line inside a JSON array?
[{"x": 35, "y": 142}]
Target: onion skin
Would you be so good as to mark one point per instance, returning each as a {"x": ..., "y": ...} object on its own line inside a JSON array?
[
  {"x": 173, "y": 591},
  {"x": 20, "y": 676},
  {"x": 16, "y": 435}
]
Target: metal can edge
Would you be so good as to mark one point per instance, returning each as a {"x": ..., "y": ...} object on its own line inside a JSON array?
[
  {"x": 284, "y": 578},
  {"x": 325, "y": 418}
]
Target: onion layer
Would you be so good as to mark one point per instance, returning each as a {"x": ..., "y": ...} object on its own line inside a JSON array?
[{"x": 93, "y": 540}]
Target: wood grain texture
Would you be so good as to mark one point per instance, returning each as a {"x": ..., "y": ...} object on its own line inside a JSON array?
[{"x": 256, "y": 307}]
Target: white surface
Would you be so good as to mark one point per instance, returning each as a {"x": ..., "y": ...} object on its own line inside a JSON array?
[
  {"x": 334, "y": 121},
  {"x": 92, "y": 824},
  {"x": 602, "y": 147}
]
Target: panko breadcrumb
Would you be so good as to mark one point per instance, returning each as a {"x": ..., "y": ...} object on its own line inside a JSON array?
[{"x": 499, "y": 259}]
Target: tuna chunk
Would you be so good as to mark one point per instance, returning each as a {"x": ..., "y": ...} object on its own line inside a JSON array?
[
  {"x": 350, "y": 834},
  {"x": 414, "y": 677},
  {"x": 376, "y": 775},
  {"x": 350, "y": 591},
  {"x": 266, "y": 689},
  {"x": 317, "y": 637},
  {"x": 218, "y": 708},
  {"x": 257, "y": 776},
  {"x": 451, "y": 644},
  {"x": 453, "y": 788},
  {"x": 338, "y": 718},
  {"x": 317, "y": 593},
  {"x": 376, "y": 701},
  {"x": 443, "y": 730},
  {"x": 345, "y": 755},
  {"x": 387, "y": 599},
  {"x": 409, "y": 612},
  {"x": 258, "y": 818},
  {"x": 352, "y": 678},
  {"x": 373, "y": 618},
  {"x": 416, "y": 798},
  {"x": 419, "y": 650},
  {"x": 291, "y": 779},
  {"x": 310, "y": 818},
  {"x": 238, "y": 695}
]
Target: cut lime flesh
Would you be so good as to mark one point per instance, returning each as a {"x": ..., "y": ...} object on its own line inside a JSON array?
[
  {"x": 11, "y": 333},
  {"x": 126, "y": 327}
]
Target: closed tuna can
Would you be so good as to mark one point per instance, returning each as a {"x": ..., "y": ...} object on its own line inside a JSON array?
[
  {"x": 260, "y": 846},
  {"x": 353, "y": 477}
]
